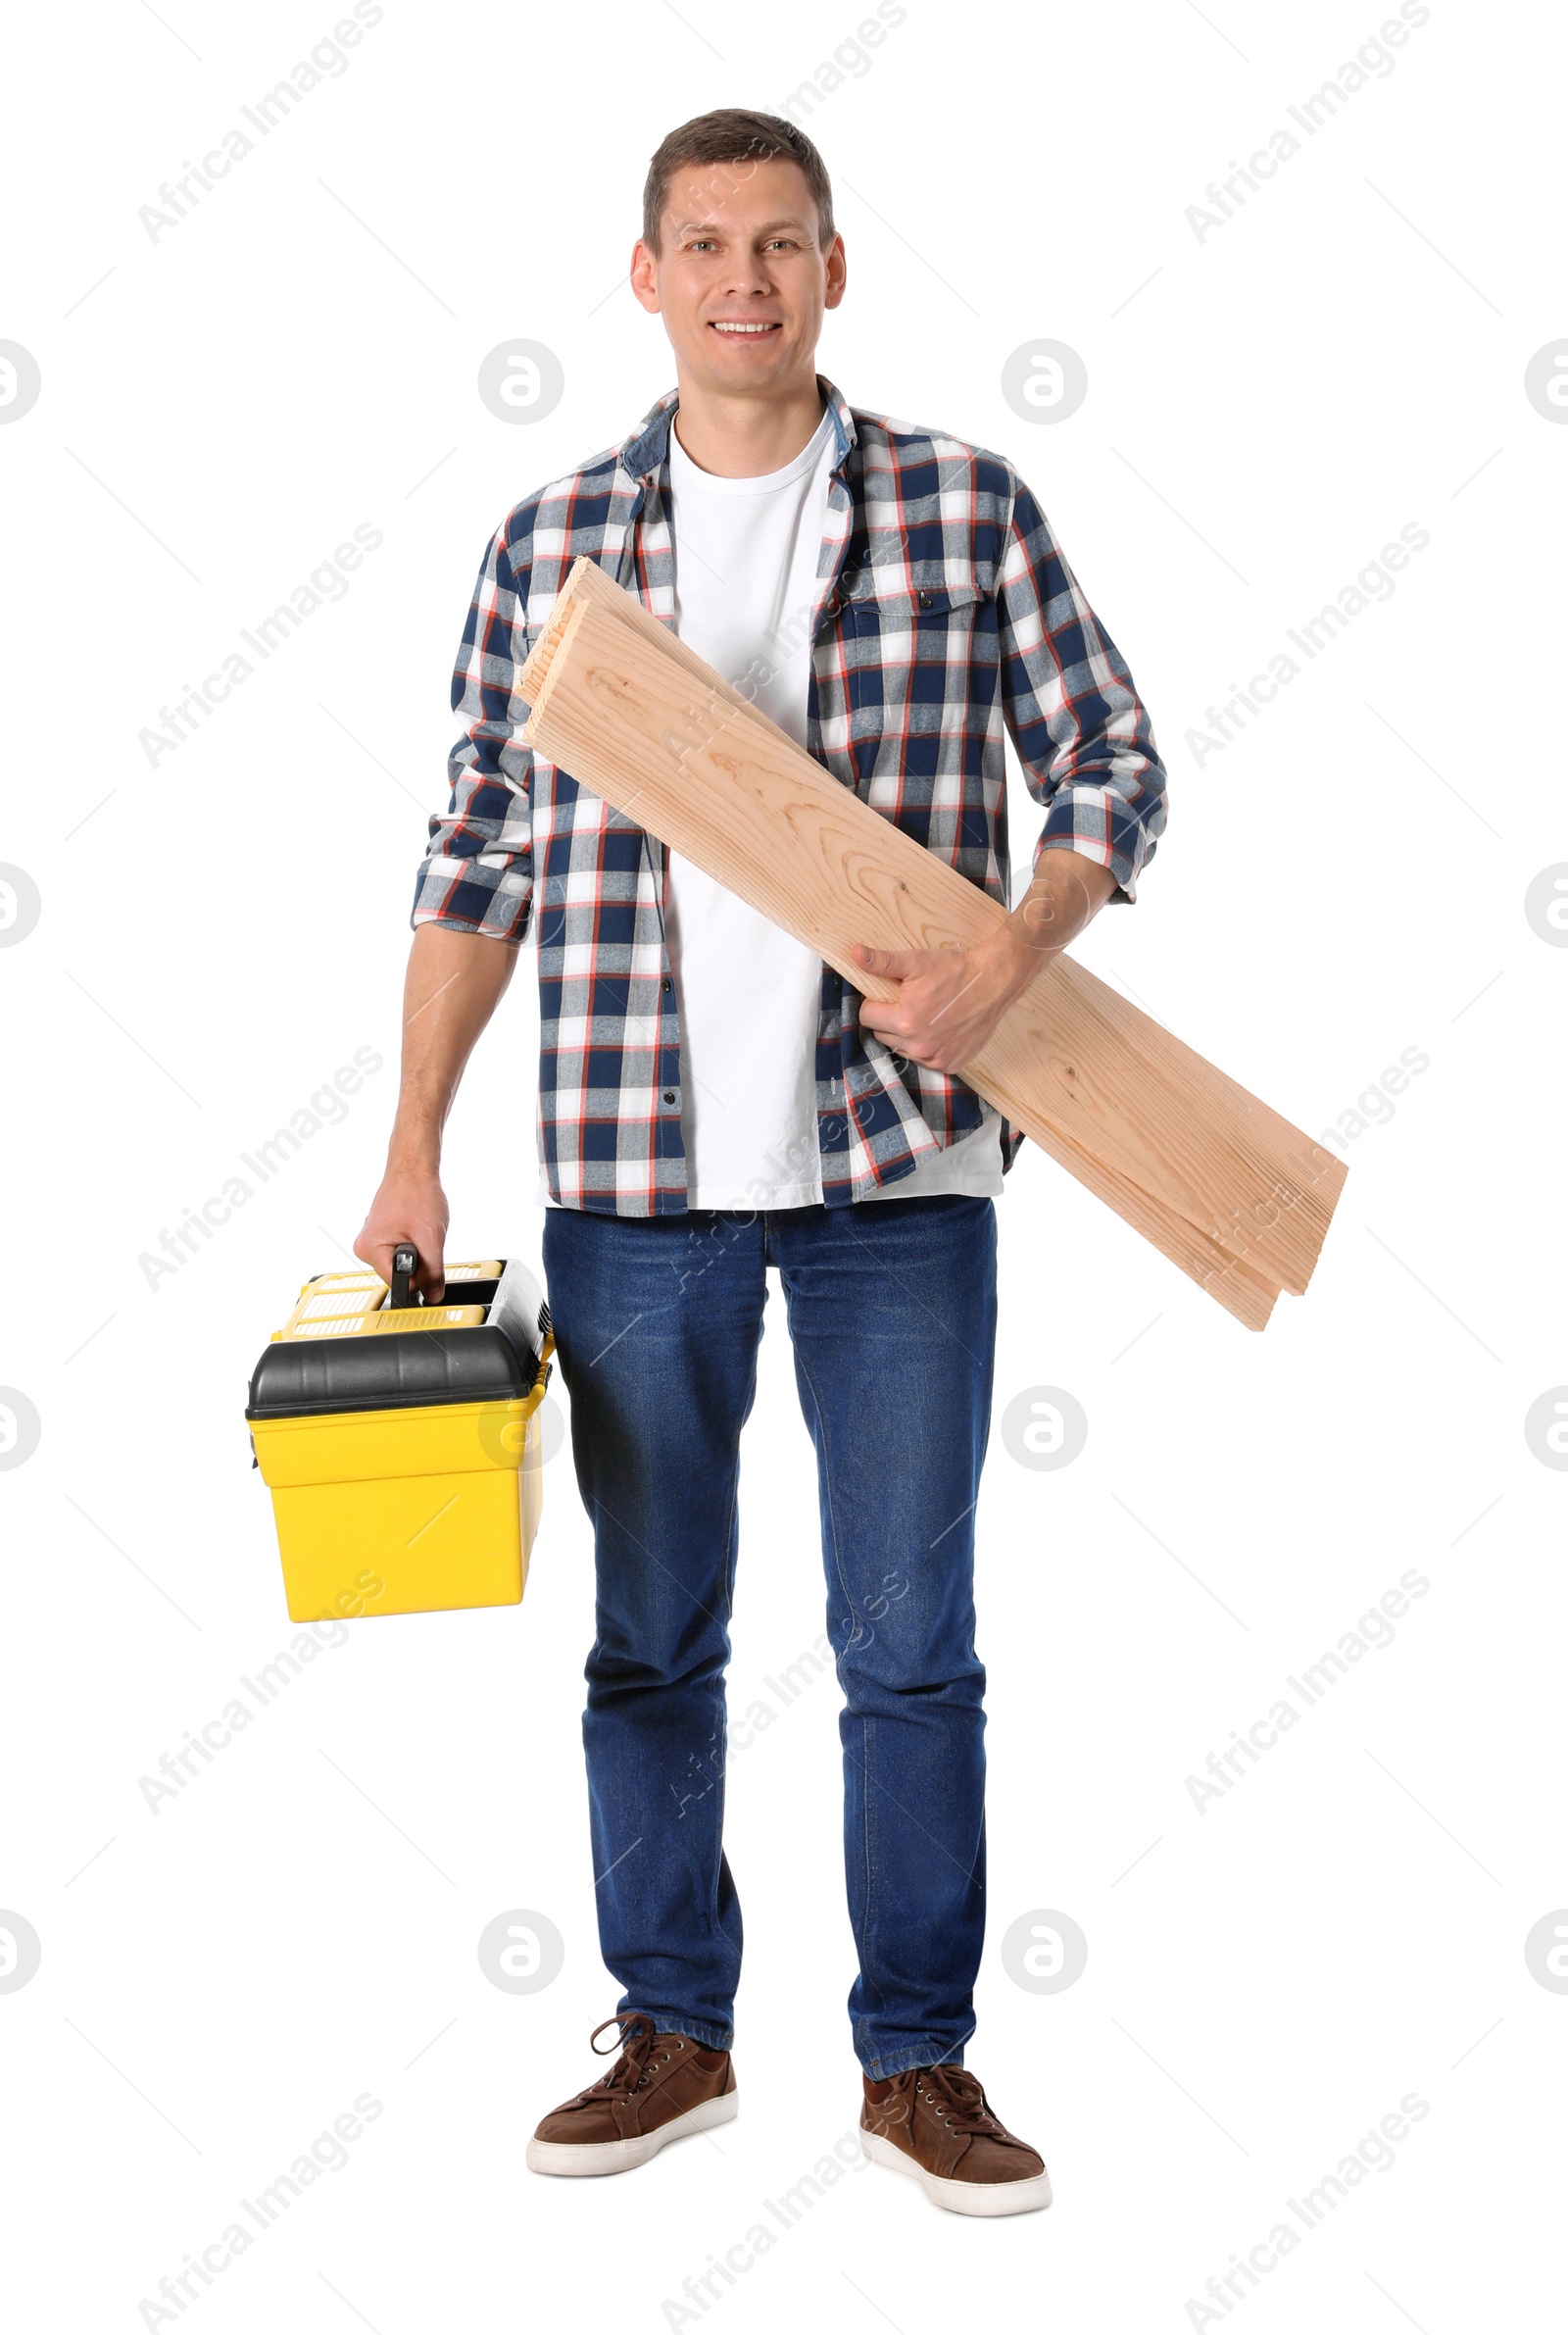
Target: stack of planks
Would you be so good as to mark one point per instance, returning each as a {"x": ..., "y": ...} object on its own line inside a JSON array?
[{"x": 1220, "y": 1184}]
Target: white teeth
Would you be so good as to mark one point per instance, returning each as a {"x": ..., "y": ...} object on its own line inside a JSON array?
[{"x": 718, "y": 327}]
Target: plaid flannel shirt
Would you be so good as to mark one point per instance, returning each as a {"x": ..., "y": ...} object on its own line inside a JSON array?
[{"x": 944, "y": 612}]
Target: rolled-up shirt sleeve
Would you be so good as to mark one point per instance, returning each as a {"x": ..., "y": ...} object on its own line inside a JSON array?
[
  {"x": 477, "y": 871},
  {"x": 1082, "y": 736}
]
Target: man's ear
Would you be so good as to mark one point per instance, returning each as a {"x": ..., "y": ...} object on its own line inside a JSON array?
[
  {"x": 645, "y": 276},
  {"x": 836, "y": 273}
]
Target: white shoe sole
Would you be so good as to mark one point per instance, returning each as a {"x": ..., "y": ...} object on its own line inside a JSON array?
[
  {"x": 961, "y": 2197},
  {"x": 588, "y": 2158}
]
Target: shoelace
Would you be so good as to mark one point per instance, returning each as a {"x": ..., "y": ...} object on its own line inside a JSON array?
[
  {"x": 635, "y": 2035},
  {"x": 957, "y": 2098}
]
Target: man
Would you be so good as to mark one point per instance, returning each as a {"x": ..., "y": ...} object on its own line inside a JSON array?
[{"x": 714, "y": 1100}]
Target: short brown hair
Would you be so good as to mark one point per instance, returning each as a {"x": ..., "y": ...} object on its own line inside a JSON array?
[{"x": 734, "y": 134}]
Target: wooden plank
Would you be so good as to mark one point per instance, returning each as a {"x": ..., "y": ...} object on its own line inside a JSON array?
[
  {"x": 1294, "y": 1173},
  {"x": 1283, "y": 1145},
  {"x": 1073, "y": 1057},
  {"x": 678, "y": 736},
  {"x": 638, "y": 718},
  {"x": 1310, "y": 1164}
]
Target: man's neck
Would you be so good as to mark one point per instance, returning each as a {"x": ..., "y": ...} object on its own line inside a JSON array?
[{"x": 747, "y": 437}]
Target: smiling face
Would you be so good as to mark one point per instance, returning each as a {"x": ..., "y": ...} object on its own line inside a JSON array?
[{"x": 741, "y": 278}]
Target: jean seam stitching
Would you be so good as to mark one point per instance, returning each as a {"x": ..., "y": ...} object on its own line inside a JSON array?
[{"x": 869, "y": 1848}]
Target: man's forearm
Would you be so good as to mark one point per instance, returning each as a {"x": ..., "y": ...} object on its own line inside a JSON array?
[
  {"x": 1066, "y": 891},
  {"x": 454, "y": 983}
]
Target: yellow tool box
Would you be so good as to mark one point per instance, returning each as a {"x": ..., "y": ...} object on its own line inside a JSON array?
[{"x": 401, "y": 1442}]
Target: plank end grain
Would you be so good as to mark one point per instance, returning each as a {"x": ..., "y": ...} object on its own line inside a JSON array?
[{"x": 536, "y": 665}]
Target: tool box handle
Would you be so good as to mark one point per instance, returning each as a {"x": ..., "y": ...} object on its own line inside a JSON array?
[{"x": 405, "y": 1265}]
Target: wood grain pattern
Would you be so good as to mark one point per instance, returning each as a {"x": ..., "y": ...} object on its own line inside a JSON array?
[{"x": 1221, "y": 1184}]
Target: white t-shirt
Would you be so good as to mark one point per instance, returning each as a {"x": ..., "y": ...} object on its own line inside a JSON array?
[{"x": 748, "y": 994}]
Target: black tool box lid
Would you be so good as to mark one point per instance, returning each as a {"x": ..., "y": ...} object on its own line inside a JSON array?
[{"x": 482, "y": 1363}]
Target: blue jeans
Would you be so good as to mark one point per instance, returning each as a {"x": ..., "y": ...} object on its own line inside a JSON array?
[{"x": 891, "y": 1311}]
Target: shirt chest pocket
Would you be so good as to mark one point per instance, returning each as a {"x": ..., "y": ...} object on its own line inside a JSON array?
[
  {"x": 913, "y": 663},
  {"x": 934, "y": 613}
]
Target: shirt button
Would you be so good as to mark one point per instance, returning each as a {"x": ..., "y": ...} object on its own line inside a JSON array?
[
  {"x": 666, "y": 985},
  {"x": 670, "y": 1094},
  {"x": 925, "y": 599}
]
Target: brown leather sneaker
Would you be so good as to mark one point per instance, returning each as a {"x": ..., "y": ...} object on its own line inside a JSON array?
[
  {"x": 662, "y": 2088},
  {"x": 935, "y": 2123}
]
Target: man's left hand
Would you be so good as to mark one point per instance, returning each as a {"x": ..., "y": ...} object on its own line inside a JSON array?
[
  {"x": 951, "y": 999},
  {"x": 948, "y": 1001}
]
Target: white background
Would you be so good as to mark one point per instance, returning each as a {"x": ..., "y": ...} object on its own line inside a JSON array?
[{"x": 1266, "y": 1979}]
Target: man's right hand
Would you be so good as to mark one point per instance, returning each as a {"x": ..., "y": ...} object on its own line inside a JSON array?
[{"x": 409, "y": 1207}]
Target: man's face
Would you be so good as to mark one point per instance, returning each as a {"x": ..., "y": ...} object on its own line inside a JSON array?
[{"x": 740, "y": 247}]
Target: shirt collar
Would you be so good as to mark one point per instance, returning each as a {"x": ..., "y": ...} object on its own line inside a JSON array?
[{"x": 647, "y": 449}]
